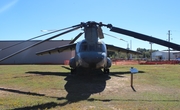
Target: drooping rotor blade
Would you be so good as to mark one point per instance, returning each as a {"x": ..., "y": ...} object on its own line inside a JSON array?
[
  {"x": 145, "y": 37},
  {"x": 63, "y": 48},
  {"x": 115, "y": 37},
  {"x": 39, "y": 43},
  {"x": 76, "y": 37},
  {"x": 38, "y": 37},
  {"x": 119, "y": 49}
]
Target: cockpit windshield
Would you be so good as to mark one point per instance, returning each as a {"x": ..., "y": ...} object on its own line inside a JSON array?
[
  {"x": 83, "y": 47},
  {"x": 97, "y": 48}
]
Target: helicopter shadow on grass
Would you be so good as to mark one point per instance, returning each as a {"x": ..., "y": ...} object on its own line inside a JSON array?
[
  {"x": 83, "y": 85},
  {"x": 51, "y": 73},
  {"x": 79, "y": 87}
]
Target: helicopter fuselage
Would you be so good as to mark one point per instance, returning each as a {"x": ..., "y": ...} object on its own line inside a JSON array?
[
  {"x": 90, "y": 56},
  {"x": 91, "y": 52}
]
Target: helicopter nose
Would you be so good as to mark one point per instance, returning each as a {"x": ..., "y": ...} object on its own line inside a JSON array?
[{"x": 92, "y": 58}]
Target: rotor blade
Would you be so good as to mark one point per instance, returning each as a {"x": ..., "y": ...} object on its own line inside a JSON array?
[
  {"x": 38, "y": 43},
  {"x": 145, "y": 37},
  {"x": 76, "y": 37},
  {"x": 39, "y": 36}
]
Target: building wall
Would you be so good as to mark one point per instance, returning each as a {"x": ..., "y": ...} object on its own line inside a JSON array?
[
  {"x": 29, "y": 56},
  {"x": 164, "y": 55}
]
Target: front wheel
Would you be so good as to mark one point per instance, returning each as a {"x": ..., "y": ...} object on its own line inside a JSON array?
[{"x": 106, "y": 71}]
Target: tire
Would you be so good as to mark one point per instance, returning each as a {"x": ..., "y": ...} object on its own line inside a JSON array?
[{"x": 106, "y": 71}]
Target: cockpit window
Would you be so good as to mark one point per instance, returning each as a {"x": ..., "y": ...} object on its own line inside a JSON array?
[
  {"x": 83, "y": 47},
  {"x": 97, "y": 48},
  {"x": 92, "y": 47}
]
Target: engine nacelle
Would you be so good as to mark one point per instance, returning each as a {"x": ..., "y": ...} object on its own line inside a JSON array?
[{"x": 72, "y": 63}]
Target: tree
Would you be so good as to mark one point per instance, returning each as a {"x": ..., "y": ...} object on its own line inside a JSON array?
[{"x": 146, "y": 53}]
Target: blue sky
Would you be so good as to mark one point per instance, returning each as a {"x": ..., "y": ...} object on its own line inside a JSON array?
[{"x": 23, "y": 19}]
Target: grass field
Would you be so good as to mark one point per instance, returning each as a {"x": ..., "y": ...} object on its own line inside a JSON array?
[{"x": 51, "y": 87}]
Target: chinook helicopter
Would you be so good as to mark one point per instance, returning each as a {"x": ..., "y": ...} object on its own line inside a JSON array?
[{"x": 91, "y": 53}]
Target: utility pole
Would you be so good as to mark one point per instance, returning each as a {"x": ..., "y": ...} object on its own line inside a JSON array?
[
  {"x": 169, "y": 34},
  {"x": 130, "y": 49},
  {"x": 151, "y": 50}
]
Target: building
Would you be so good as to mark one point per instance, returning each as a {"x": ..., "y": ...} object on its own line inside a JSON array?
[
  {"x": 164, "y": 55},
  {"x": 29, "y": 56}
]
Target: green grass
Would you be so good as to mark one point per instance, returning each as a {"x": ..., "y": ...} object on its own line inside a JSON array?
[{"x": 51, "y": 87}]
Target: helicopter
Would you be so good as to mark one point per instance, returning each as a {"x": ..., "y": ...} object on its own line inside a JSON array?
[{"x": 91, "y": 52}]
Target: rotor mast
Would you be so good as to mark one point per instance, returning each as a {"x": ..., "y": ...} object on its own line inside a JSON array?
[{"x": 91, "y": 33}]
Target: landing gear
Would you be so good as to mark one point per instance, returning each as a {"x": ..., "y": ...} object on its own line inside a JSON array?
[
  {"x": 73, "y": 71},
  {"x": 106, "y": 71}
]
